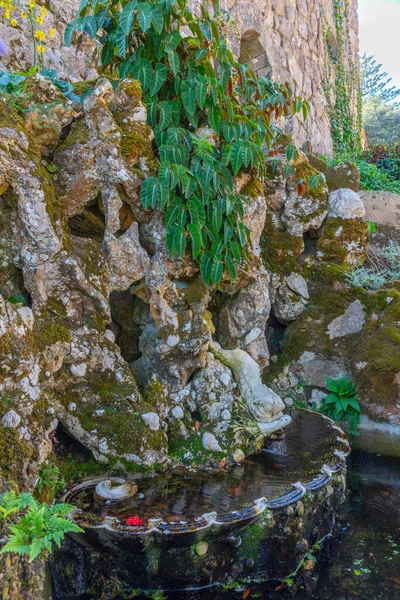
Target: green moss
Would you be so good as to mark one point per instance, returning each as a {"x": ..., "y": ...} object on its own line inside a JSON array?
[
  {"x": 253, "y": 188},
  {"x": 279, "y": 249},
  {"x": 79, "y": 134},
  {"x": 195, "y": 293},
  {"x": 15, "y": 455},
  {"x": 133, "y": 88},
  {"x": 252, "y": 539},
  {"x": 337, "y": 235},
  {"x": 135, "y": 143},
  {"x": 298, "y": 341},
  {"x": 154, "y": 395},
  {"x": 55, "y": 306},
  {"x": 283, "y": 140},
  {"x": 80, "y": 87},
  {"x": 47, "y": 333},
  {"x": 305, "y": 171},
  {"x": 191, "y": 450}
]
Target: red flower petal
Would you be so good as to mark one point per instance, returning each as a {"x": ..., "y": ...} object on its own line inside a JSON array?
[{"x": 134, "y": 521}]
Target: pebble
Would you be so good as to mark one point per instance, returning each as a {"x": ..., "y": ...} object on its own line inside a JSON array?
[
  {"x": 11, "y": 419},
  {"x": 152, "y": 420},
  {"x": 177, "y": 412}
]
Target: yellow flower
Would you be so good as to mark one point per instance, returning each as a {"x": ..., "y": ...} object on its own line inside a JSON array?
[
  {"x": 23, "y": 15},
  {"x": 14, "y": 22},
  {"x": 40, "y": 35},
  {"x": 52, "y": 32},
  {"x": 31, "y": 4},
  {"x": 39, "y": 20},
  {"x": 43, "y": 11},
  {"x": 41, "y": 49}
]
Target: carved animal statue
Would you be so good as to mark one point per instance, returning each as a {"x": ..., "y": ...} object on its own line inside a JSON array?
[{"x": 265, "y": 406}]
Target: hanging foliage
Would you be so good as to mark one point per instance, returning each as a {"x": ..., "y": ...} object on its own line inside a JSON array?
[{"x": 190, "y": 79}]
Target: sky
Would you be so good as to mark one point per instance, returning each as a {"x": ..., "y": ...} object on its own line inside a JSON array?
[{"x": 380, "y": 32}]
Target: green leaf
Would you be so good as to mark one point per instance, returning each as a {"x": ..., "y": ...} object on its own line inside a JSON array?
[
  {"x": 195, "y": 236},
  {"x": 174, "y": 153},
  {"x": 158, "y": 79},
  {"x": 145, "y": 14},
  {"x": 143, "y": 72},
  {"x": 90, "y": 26},
  {"x": 69, "y": 32},
  {"x": 173, "y": 60},
  {"x": 165, "y": 114},
  {"x": 121, "y": 41},
  {"x": 107, "y": 54},
  {"x": 214, "y": 118},
  {"x": 234, "y": 246},
  {"x": 126, "y": 17},
  {"x": 149, "y": 192},
  {"x": 206, "y": 267},
  {"x": 188, "y": 92},
  {"x": 236, "y": 157},
  {"x": 201, "y": 93},
  {"x": 165, "y": 6},
  {"x": 230, "y": 265},
  {"x": 291, "y": 152},
  {"x": 157, "y": 19},
  {"x": 176, "y": 241},
  {"x": 354, "y": 404},
  {"x": 217, "y": 270}
]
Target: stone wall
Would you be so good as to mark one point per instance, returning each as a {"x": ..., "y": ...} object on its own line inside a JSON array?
[
  {"x": 292, "y": 40},
  {"x": 295, "y": 35}
]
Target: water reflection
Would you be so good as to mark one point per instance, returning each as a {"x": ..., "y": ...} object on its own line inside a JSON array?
[{"x": 184, "y": 494}]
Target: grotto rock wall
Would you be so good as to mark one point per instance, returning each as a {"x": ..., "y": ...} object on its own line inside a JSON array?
[{"x": 291, "y": 40}]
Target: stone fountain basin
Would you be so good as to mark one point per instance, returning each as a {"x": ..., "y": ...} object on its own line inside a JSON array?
[{"x": 244, "y": 535}]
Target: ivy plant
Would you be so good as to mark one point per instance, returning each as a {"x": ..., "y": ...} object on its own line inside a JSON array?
[
  {"x": 33, "y": 526},
  {"x": 212, "y": 117}
]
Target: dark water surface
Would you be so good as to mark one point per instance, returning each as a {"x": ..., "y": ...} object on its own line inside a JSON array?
[
  {"x": 180, "y": 494},
  {"x": 362, "y": 561}
]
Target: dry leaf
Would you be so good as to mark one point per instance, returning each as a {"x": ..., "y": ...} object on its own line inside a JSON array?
[
  {"x": 309, "y": 564},
  {"x": 197, "y": 425},
  {"x": 247, "y": 591}
]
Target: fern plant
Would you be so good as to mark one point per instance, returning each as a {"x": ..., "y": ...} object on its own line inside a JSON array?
[
  {"x": 190, "y": 80},
  {"x": 33, "y": 526},
  {"x": 341, "y": 404}
]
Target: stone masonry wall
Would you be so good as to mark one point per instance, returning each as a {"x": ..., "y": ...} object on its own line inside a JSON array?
[{"x": 283, "y": 38}]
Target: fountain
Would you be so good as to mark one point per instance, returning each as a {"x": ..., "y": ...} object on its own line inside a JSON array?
[{"x": 190, "y": 528}]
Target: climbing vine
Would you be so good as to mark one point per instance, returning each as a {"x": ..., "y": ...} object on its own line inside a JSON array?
[
  {"x": 344, "y": 101},
  {"x": 212, "y": 117}
]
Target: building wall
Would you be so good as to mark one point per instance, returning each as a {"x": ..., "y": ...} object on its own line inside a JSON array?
[{"x": 284, "y": 38}]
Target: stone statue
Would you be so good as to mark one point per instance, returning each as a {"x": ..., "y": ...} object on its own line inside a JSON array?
[{"x": 265, "y": 406}]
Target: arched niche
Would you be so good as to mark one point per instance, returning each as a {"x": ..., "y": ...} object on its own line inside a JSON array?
[{"x": 253, "y": 53}]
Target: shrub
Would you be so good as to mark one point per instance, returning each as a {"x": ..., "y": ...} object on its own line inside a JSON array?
[
  {"x": 341, "y": 404},
  {"x": 382, "y": 266}
]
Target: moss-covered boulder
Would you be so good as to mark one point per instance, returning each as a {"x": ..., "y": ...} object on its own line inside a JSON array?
[
  {"x": 343, "y": 175},
  {"x": 345, "y": 331}
]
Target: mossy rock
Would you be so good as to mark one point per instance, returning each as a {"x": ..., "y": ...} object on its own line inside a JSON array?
[
  {"x": 317, "y": 162},
  {"x": 280, "y": 250},
  {"x": 343, "y": 175},
  {"x": 344, "y": 242}
]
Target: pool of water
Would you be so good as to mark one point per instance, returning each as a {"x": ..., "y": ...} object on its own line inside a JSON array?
[
  {"x": 362, "y": 560},
  {"x": 184, "y": 494}
]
